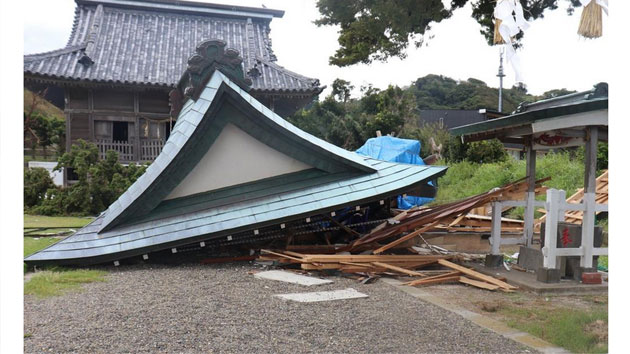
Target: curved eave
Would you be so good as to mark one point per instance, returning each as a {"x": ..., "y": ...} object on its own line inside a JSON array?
[
  {"x": 83, "y": 247},
  {"x": 72, "y": 81}
]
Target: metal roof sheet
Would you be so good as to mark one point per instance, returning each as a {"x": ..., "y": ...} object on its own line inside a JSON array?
[{"x": 213, "y": 214}]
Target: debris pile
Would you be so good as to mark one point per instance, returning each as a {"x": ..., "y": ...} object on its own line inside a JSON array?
[
  {"x": 406, "y": 265},
  {"x": 392, "y": 248}
]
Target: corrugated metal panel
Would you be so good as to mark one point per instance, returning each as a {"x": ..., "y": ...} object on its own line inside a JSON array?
[{"x": 135, "y": 46}]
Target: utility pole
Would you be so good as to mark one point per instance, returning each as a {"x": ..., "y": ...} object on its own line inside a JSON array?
[{"x": 501, "y": 75}]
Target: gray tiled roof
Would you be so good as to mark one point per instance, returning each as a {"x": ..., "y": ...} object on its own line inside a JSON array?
[{"x": 150, "y": 45}]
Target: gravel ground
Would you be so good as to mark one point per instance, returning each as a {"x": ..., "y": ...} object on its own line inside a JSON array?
[{"x": 223, "y": 308}]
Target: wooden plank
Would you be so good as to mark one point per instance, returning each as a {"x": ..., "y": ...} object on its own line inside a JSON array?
[
  {"x": 406, "y": 237},
  {"x": 339, "y": 265},
  {"x": 366, "y": 258},
  {"x": 476, "y": 274},
  {"x": 401, "y": 215},
  {"x": 478, "y": 284},
  {"x": 439, "y": 280},
  {"x": 399, "y": 269},
  {"x": 294, "y": 254},
  {"x": 457, "y": 220},
  {"x": 423, "y": 280},
  {"x": 282, "y": 255}
]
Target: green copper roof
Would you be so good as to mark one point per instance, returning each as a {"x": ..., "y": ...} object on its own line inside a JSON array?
[{"x": 142, "y": 221}]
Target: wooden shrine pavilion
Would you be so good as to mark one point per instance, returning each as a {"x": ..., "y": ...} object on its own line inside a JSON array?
[{"x": 578, "y": 119}]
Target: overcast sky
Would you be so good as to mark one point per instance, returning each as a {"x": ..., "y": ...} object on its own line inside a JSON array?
[{"x": 553, "y": 55}]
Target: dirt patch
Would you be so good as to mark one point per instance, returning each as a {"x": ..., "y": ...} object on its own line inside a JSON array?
[{"x": 599, "y": 329}]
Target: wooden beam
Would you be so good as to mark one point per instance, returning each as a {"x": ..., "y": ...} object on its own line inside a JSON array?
[
  {"x": 282, "y": 255},
  {"x": 478, "y": 284},
  {"x": 476, "y": 274},
  {"x": 334, "y": 258},
  {"x": 429, "y": 280},
  {"x": 440, "y": 280},
  {"x": 399, "y": 269},
  {"x": 406, "y": 237}
]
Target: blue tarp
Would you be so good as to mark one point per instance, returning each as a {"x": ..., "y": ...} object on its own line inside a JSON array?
[{"x": 388, "y": 148}]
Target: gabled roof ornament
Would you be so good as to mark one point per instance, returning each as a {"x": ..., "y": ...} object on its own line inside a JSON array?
[
  {"x": 209, "y": 56},
  {"x": 85, "y": 60}
]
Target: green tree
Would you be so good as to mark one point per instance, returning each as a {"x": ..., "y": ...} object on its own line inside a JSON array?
[
  {"x": 36, "y": 182},
  {"x": 100, "y": 182},
  {"x": 378, "y": 29},
  {"x": 341, "y": 89},
  {"x": 487, "y": 151}
]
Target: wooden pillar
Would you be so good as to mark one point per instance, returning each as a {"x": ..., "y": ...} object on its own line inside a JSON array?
[
  {"x": 68, "y": 132},
  {"x": 588, "y": 219},
  {"x": 91, "y": 116},
  {"x": 136, "y": 127},
  {"x": 530, "y": 196}
]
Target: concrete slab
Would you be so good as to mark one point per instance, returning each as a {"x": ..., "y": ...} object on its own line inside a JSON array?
[
  {"x": 527, "y": 281},
  {"x": 289, "y": 277},
  {"x": 323, "y": 295}
]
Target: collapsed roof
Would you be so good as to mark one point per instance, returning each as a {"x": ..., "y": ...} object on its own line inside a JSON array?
[{"x": 230, "y": 165}]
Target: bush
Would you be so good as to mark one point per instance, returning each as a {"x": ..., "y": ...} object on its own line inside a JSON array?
[
  {"x": 487, "y": 151},
  {"x": 36, "y": 182},
  {"x": 100, "y": 182},
  {"x": 464, "y": 179}
]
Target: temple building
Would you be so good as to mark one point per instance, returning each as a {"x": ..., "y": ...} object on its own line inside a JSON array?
[{"x": 123, "y": 57}]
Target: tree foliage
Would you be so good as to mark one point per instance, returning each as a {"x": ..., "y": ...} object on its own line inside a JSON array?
[
  {"x": 378, "y": 29},
  {"x": 348, "y": 122},
  {"x": 36, "y": 182},
  {"x": 41, "y": 127},
  {"x": 100, "y": 182},
  {"x": 440, "y": 92}
]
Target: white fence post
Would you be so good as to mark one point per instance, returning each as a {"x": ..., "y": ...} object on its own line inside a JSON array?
[
  {"x": 495, "y": 232},
  {"x": 551, "y": 228}
]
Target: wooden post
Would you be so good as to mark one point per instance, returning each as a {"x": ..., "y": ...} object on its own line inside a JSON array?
[
  {"x": 588, "y": 220},
  {"x": 91, "y": 116},
  {"x": 495, "y": 232},
  {"x": 136, "y": 142},
  {"x": 530, "y": 196}
]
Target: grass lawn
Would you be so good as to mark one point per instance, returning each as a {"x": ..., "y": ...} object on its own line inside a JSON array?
[
  {"x": 575, "y": 329},
  {"x": 55, "y": 281},
  {"x": 40, "y": 221},
  {"x": 34, "y": 244},
  {"x": 58, "y": 281}
]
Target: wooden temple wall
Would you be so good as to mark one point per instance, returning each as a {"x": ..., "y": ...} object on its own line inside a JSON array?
[{"x": 134, "y": 123}]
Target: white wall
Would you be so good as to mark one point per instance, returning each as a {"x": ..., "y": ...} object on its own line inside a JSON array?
[
  {"x": 235, "y": 158},
  {"x": 57, "y": 176}
]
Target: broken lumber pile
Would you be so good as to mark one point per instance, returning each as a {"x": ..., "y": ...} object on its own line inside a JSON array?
[
  {"x": 424, "y": 219},
  {"x": 405, "y": 265},
  {"x": 366, "y": 254},
  {"x": 575, "y": 216}
]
